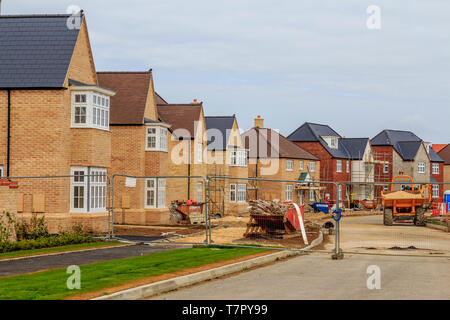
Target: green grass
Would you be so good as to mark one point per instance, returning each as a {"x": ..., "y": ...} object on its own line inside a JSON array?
[
  {"x": 51, "y": 285},
  {"x": 25, "y": 253}
]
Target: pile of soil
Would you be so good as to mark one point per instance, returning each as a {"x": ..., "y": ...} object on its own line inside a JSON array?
[{"x": 402, "y": 195}]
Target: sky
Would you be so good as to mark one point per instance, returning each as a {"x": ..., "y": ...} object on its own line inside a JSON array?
[{"x": 289, "y": 61}]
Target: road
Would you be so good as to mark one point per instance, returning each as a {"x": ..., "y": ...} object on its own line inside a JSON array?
[{"x": 316, "y": 276}]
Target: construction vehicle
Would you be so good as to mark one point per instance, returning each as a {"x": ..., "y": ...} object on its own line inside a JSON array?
[{"x": 407, "y": 205}]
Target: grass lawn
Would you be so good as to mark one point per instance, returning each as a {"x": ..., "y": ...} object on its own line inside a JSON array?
[
  {"x": 52, "y": 284},
  {"x": 25, "y": 253}
]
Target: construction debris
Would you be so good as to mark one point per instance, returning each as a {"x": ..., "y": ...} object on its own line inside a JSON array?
[{"x": 263, "y": 207}]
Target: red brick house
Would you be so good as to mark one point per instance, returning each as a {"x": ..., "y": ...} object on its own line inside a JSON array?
[{"x": 326, "y": 144}]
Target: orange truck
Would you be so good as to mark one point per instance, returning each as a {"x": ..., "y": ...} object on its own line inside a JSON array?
[{"x": 405, "y": 205}]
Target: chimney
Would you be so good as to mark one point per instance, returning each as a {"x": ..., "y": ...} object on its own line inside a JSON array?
[
  {"x": 259, "y": 122},
  {"x": 194, "y": 102}
]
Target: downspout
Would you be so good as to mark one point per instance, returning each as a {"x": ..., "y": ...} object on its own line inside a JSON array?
[
  {"x": 189, "y": 172},
  {"x": 8, "y": 150}
]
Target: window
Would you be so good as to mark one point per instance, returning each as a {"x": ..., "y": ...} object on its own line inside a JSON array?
[
  {"x": 1, "y": 171},
  {"x": 386, "y": 168},
  {"x": 233, "y": 196},
  {"x": 312, "y": 195},
  {"x": 338, "y": 165},
  {"x": 199, "y": 152},
  {"x": 421, "y": 167},
  {"x": 155, "y": 193},
  {"x": 289, "y": 189},
  {"x": 289, "y": 165},
  {"x": 385, "y": 188},
  {"x": 242, "y": 192},
  {"x": 156, "y": 139},
  {"x": 435, "y": 168},
  {"x": 238, "y": 158},
  {"x": 334, "y": 143},
  {"x": 339, "y": 195},
  {"x": 435, "y": 191},
  {"x": 90, "y": 110},
  {"x": 312, "y": 166},
  {"x": 199, "y": 192},
  {"x": 348, "y": 166},
  {"x": 88, "y": 189},
  {"x": 300, "y": 165}
]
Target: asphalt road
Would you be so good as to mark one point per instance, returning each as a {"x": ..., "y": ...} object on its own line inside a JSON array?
[
  {"x": 316, "y": 276},
  {"x": 39, "y": 263}
]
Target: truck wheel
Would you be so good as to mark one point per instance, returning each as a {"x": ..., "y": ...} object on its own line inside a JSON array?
[
  {"x": 420, "y": 216},
  {"x": 388, "y": 216}
]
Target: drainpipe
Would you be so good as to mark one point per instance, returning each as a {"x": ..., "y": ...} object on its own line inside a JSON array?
[
  {"x": 8, "y": 150},
  {"x": 189, "y": 172}
]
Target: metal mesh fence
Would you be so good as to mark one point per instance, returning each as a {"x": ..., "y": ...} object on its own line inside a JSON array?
[
  {"x": 395, "y": 218},
  {"x": 168, "y": 209}
]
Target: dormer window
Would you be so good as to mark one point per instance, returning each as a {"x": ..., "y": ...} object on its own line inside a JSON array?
[{"x": 332, "y": 141}]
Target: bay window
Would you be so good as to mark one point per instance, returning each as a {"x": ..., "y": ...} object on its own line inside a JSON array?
[
  {"x": 156, "y": 138},
  {"x": 238, "y": 158},
  {"x": 88, "y": 189},
  {"x": 90, "y": 108}
]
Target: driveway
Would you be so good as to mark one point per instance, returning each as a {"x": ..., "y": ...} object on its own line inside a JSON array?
[
  {"x": 45, "y": 262},
  {"x": 316, "y": 276}
]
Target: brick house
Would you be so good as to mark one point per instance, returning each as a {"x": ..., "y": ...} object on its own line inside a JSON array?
[
  {"x": 226, "y": 157},
  {"x": 409, "y": 154},
  {"x": 139, "y": 147},
  {"x": 187, "y": 149},
  {"x": 55, "y": 121},
  {"x": 272, "y": 156},
  {"x": 444, "y": 154},
  {"x": 336, "y": 155}
]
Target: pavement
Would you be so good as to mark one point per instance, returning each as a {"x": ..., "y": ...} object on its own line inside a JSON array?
[
  {"x": 369, "y": 234},
  {"x": 316, "y": 276},
  {"x": 45, "y": 262}
]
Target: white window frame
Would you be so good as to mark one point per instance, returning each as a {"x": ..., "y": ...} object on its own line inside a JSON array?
[
  {"x": 238, "y": 158},
  {"x": 300, "y": 165},
  {"x": 338, "y": 165},
  {"x": 158, "y": 187},
  {"x": 312, "y": 166},
  {"x": 94, "y": 108},
  {"x": 435, "y": 191},
  {"x": 199, "y": 191},
  {"x": 289, "y": 192},
  {"x": 339, "y": 195},
  {"x": 93, "y": 180},
  {"x": 289, "y": 165},
  {"x": 386, "y": 168},
  {"x": 436, "y": 168},
  {"x": 312, "y": 195},
  {"x": 348, "y": 166},
  {"x": 241, "y": 193},
  {"x": 421, "y": 167},
  {"x": 1, "y": 171},
  {"x": 159, "y": 136},
  {"x": 233, "y": 192}
]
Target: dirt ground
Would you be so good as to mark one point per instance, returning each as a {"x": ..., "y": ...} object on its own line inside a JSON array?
[{"x": 158, "y": 231}]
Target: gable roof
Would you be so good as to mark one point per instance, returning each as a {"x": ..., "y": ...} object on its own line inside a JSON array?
[
  {"x": 222, "y": 124},
  {"x": 159, "y": 99},
  {"x": 348, "y": 148},
  {"x": 127, "y": 107},
  {"x": 354, "y": 147},
  {"x": 434, "y": 157},
  {"x": 406, "y": 143},
  {"x": 438, "y": 147},
  {"x": 444, "y": 154},
  {"x": 35, "y": 51},
  {"x": 181, "y": 116},
  {"x": 284, "y": 149}
]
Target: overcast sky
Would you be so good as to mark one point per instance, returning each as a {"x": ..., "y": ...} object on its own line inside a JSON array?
[{"x": 288, "y": 61}]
